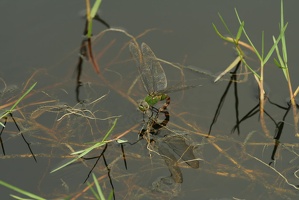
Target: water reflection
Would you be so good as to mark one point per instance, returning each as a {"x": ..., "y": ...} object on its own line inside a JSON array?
[
  {"x": 227, "y": 157},
  {"x": 167, "y": 186},
  {"x": 167, "y": 143}
]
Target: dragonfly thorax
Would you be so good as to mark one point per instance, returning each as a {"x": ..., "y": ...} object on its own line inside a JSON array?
[{"x": 153, "y": 99}]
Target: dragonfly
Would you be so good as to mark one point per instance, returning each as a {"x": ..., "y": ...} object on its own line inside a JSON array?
[
  {"x": 153, "y": 78},
  {"x": 168, "y": 143}
]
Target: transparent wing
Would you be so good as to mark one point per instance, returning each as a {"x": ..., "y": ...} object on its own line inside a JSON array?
[
  {"x": 157, "y": 77},
  {"x": 178, "y": 88},
  {"x": 171, "y": 162},
  {"x": 144, "y": 71},
  {"x": 167, "y": 185},
  {"x": 178, "y": 143}
]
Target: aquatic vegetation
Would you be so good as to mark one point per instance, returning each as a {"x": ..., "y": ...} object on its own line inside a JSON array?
[{"x": 88, "y": 121}]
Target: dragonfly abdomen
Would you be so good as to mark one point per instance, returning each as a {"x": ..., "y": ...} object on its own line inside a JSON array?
[
  {"x": 166, "y": 104},
  {"x": 156, "y": 126}
]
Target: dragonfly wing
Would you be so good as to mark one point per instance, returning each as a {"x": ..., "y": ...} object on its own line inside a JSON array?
[
  {"x": 178, "y": 144},
  {"x": 167, "y": 186},
  {"x": 157, "y": 77},
  {"x": 144, "y": 71},
  {"x": 171, "y": 162},
  {"x": 179, "y": 88}
]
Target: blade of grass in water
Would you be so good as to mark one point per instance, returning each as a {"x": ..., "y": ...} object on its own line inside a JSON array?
[
  {"x": 97, "y": 194},
  {"x": 95, "y": 8},
  {"x": 89, "y": 149},
  {"x": 14, "y": 188},
  {"x": 17, "y": 102}
]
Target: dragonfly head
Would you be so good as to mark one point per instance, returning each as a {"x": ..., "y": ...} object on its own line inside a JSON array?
[{"x": 143, "y": 106}]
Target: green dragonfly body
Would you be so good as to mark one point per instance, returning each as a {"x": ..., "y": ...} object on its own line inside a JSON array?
[{"x": 153, "y": 99}]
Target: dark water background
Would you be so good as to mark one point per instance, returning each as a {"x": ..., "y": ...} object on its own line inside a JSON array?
[{"x": 41, "y": 39}]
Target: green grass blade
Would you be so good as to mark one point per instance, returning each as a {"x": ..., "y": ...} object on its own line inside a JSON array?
[
  {"x": 276, "y": 62},
  {"x": 280, "y": 63},
  {"x": 89, "y": 149},
  {"x": 100, "y": 193},
  {"x": 89, "y": 29},
  {"x": 283, "y": 40},
  {"x": 17, "y": 197},
  {"x": 254, "y": 72},
  {"x": 220, "y": 35},
  {"x": 282, "y": 60},
  {"x": 64, "y": 165},
  {"x": 92, "y": 13},
  {"x": 275, "y": 44},
  {"x": 17, "y": 102},
  {"x": 110, "y": 130},
  {"x": 240, "y": 31},
  {"x": 95, "y": 8},
  {"x": 263, "y": 44},
  {"x": 93, "y": 191},
  {"x": 81, "y": 154},
  {"x": 96, "y": 196},
  {"x": 229, "y": 68},
  {"x": 251, "y": 43},
  {"x": 110, "y": 196},
  {"x": 225, "y": 25},
  {"x": 33, "y": 196},
  {"x": 278, "y": 54},
  {"x": 22, "y": 97}
]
